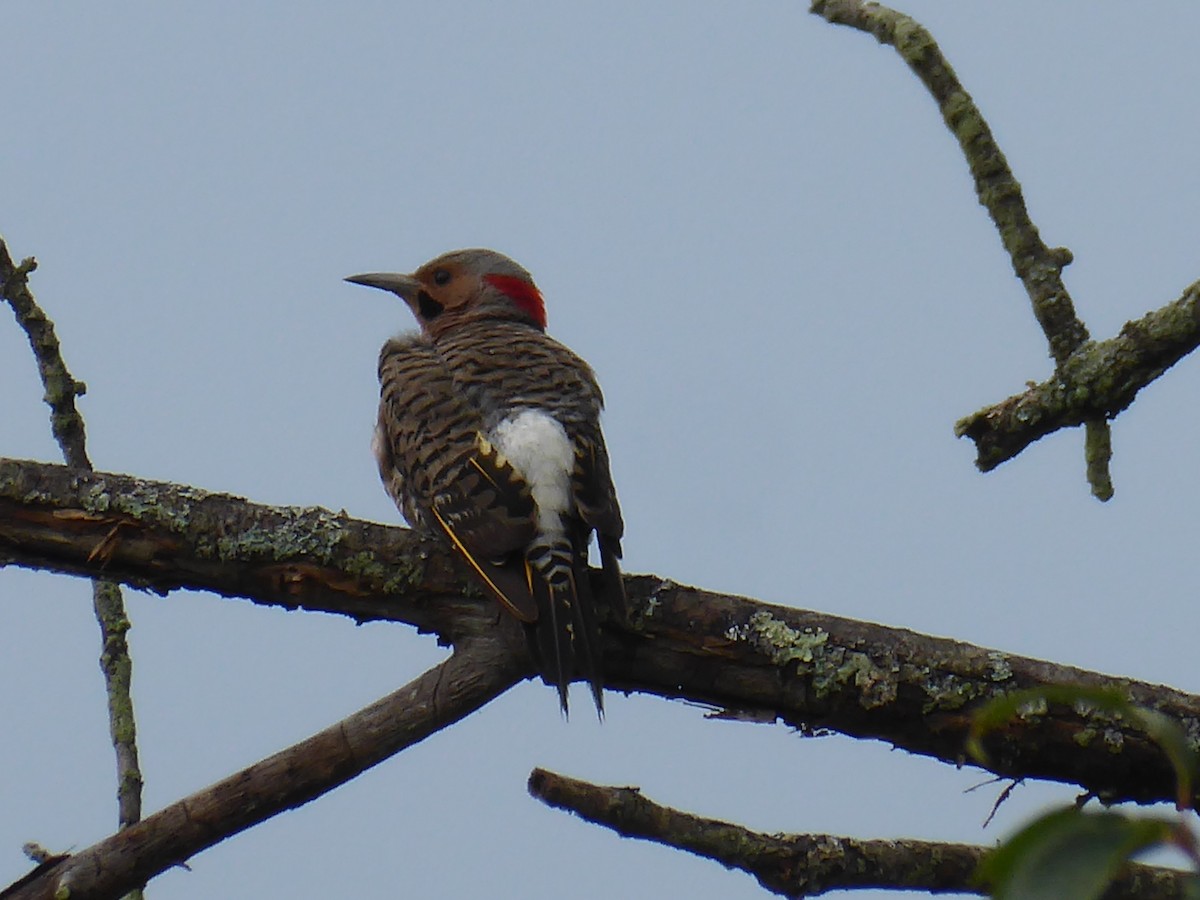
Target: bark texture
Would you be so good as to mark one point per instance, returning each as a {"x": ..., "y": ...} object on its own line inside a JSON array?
[
  {"x": 806, "y": 865},
  {"x": 475, "y": 674},
  {"x": 746, "y": 659}
]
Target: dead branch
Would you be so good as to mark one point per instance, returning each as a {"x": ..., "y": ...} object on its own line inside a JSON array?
[
  {"x": 478, "y": 671},
  {"x": 1039, "y": 267},
  {"x": 1100, "y": 379},
  {"x": 108, "y": 603},
  {"x": 804, "y": 865},
  {"x": 805, "y": 669}
]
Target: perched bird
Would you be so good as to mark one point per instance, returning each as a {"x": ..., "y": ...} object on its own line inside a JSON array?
[{"x": 489, "y": 434}]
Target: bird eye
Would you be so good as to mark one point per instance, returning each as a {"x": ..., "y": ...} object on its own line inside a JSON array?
[{"x": 441, "y": 276}]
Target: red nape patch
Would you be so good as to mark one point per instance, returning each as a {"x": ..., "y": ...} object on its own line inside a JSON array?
[{"x": 523, "y": 293}]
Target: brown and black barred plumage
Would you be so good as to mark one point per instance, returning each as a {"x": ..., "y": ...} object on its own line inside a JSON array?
[{"x": 489, "y": 434}]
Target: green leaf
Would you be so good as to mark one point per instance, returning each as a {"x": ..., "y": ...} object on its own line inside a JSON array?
[
  {"x": 1169, "y": 734},
  {"x": 1068, "y": 853}
]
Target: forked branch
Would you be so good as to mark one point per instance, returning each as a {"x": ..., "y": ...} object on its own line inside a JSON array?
[{"x": 1091, "y": 383}]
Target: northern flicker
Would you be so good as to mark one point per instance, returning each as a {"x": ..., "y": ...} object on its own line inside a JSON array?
[{"x": 489, "y": 435}]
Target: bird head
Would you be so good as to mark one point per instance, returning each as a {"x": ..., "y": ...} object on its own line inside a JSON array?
[{"x": 464, "y": 286}]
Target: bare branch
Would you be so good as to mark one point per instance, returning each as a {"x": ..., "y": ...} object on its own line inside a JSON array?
[
  {"x": 806, "y": 669},
  {"x": 803, "y": 865},
  {"x": 792, "y": 865},
  {"x": 1038, "y": 266},
  {"x": 1099, "y": 380},
  {"x": 476, "y": 673},
  {"x": 61, "y": 389}
]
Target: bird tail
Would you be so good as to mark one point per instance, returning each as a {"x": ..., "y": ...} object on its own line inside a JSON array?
[
  {"x": 613, "y": 583},
  {"x": 566, "y": 637}
]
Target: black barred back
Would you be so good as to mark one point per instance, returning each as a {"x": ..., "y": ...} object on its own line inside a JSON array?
[
  {"x": 505, "y": 367},
  {"x": 425, "y": 433}
]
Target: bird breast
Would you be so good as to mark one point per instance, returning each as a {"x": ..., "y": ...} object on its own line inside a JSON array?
[{"x": 537, "y": 446}]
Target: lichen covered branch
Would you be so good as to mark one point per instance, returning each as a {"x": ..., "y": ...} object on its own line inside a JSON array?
[
  {"x": 1100, "y": 379},
  {"x": 61, "y": 389},
  {"x": 741, "y": 657},
  {"x": 1039, "y": 267},
  {"x": 158, "y": 536}
]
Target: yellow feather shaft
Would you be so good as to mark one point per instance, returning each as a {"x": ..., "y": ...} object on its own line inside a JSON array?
[{"x": 499, "y": 594}]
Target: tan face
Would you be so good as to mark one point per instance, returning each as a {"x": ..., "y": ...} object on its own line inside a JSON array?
[{"x": 447, "y": 284}]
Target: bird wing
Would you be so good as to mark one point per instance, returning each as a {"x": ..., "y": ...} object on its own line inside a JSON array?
[
  {"x": 439, "y": 469},
  {"x": 488, "y": 513},
  {"x": 596, "y": 502}
]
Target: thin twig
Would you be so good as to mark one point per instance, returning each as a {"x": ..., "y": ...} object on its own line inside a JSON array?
[
  {"x": 61, "y": 389},
  {"x": 1039, "y": 267},
  {"x": 803, "y": 865}
]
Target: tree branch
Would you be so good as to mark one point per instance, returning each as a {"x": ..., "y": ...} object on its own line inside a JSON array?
[
  {"x": 1099, "y": 380},
  {"x": 1038, "y": 266},
  {"x": 61, "y": 389},
  {"x": 160, "y": 537},
  {"x": 477, "y": 672},
  {"x": 806, "y": 669},
  {"x": 803, "y": 865}
]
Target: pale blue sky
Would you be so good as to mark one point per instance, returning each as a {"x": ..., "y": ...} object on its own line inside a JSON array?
[{"x": 755, "y": 227}]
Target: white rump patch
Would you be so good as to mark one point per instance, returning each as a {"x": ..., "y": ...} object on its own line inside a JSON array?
[{"x": 538, "y": 447}]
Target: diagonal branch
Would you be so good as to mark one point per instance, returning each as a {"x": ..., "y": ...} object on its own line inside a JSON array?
[
  {"x": 806, "y": 669},
  {"x": 1038, "y": 266},
  {"x": 803, "y": 865},
  {"x": 476, "y": 673},
  {"x": 61, "y": 389}
]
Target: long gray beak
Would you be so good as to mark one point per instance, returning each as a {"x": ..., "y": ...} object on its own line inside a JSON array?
[{"x": 402, "y": 285}]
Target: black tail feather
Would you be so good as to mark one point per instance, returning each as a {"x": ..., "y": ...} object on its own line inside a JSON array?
[
  {"x": 550, "y": 641},
  {"x": 565, "y": 640},
  {"x": 586, "y": 632},
  {"x": 614, "y": 584}
]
